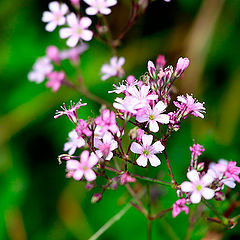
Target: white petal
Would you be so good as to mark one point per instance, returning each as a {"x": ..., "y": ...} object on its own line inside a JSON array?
[
  {"x": 90, "y": 175},
  {"x": 53, "y": 6},
  {"x": 207, "y": 193},
  {"x": 77, "y": 175},
  {"x": 51, "y": 26},
  {"x": 47, "y": 17},
  {"x": 142, "y": 118},
  {"x": 72, "y": 164},
  {"x": 111, "y": 3},
  {"x": 107, "y": 138},
  {"x": 84, "y": 156},
  {"x": 153, "y": 126},
  {"x": 193, "y": 176},
  {"x": 72, "y": 41},
  {"x": 93, "y": 159},
  {"x": 85, "y": 22},
  {"x": 147, "y": 139},
  {"x": 65, "y": 32},
  {"x": 87, "y": 35},
  {"x": 114, "y": 145},
  {"x": 195, "y": 197},
  {"x": 97, "y": 142},
  {"x": 158, "y": 147},
  {"x": 109, "y": 156},
  {"x": 64, "y": 8},
  {"x": 207, "y": 179},
  {"x": 142, "y": 161},
  {"x": 91, "y": 11},
  {"x": 229, "y": 183},
  {"x": 121, "y": 61},
  {"x": 72, "y": 20},
  {"x": 154, "y": 160},
  {"x": 136, "y": 148},
  {"x": 163, "y": 118},
  {"x": 160, "y": 106},
  {"x": 105, "y": 11},
  {"x": 187, "y": 186}
]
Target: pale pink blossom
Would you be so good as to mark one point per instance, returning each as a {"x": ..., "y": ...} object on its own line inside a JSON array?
[
  {"x": 147, "y": 151},
  {"x": 55, "y": 80},
  {"x": 126, "y": 178},
  {"x": 179, "y": 206},
  {"x": 74, "y": 141},
  {"x": 82, "y": 128},
  {"x": 113, "y": 69},
  {"x": 56, "y": 16},
  {"x": 78, "y": 169},
  {"x": 189, "y": 105},
  {"x": 107, "y": 121},
  {"x": 99, "y": 6},
  {"x": 197, "y": 150},
  {"x": 153, "y": 115},
  {"x": 198, "y": 186},
  {"x": 182, "y": 64},
  {"x": 71, "y": 112},
  {"x": 53, "y": 53},
  {"x": 123, "y": 86},
  {"x": 77, "y": 30},
  {"x": 105, "y": 146},
  {"x": 41, "y": 68}
]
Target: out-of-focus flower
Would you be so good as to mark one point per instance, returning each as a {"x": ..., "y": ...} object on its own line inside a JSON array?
[
  {"x": 82, "y": 128},
  {"x": 74, "y": 141},
  {"x": 114, "y": 69},
  {"x": 55, "y": 80},
  {"x": 77, "y": 30},
  {"x": 189, "y": 105},
  {"x": 126, "y": 178},
  {"x": 197, "y": 150},
  {"x": 55, "y": 17},
  {"x": 41, "y": 68},
  {"x": 152, "y": 116},
  {"x": 198, "y": 186},
  {"x": 78, "y": 169},
  {"x": 179, "y": 206},
  {"x": 147, "y": 151},
  {"x": 53, "y": 53},
  {"x": 99, "y": 6},
  {"x": 75, "y": 3},
  {"x": 160, "y": 61}
]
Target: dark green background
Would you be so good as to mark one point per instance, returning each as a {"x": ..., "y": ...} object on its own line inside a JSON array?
[{"x": 36, "y": 200}]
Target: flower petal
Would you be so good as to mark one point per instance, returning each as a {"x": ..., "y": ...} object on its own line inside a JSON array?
[
  {"x": 187, "y": 186},
  {"x": 142, "y": 161},
  {"x": 193, "y": 176},
  {"x": 147, "y": 140},
  {"x": 77, "y": 175},
  {"x": 154, "y": 160},
  {"x": 207, "y": 193},
  {"x": 158, "y": 147},
  {"x": 136, "y": 148},
  {"x": 90, "y": 175},
  {"x": 72, "y": 164},
  {"x": 195, "y": 197},
  {"x": 153, "y": 126},
  {"x": 93, "y": 159}
]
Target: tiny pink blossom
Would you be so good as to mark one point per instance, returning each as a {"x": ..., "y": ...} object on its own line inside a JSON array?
[
  {"x": 56, "y": 16},
  {"x": 123, "y": 87},
  {"x": 77, "y": 30},
  {"x": 153, "y": 115},
  {"x": 198, "y": 186},
  {"x": 160, "y": 61},
  {"x": 74, "y": 142},
  {"x": 189, "y": 105},
  {"x": 182, "y": 64},
  {"x": 107, "y": 121},
  {"x": 114, "y": 69},
  {"x": 53, "y": 53},
  {"x": 147, "y": 151},
  {"x": 71, "y": 112},
  {"x": 99, "y": 6},
  {"x": 179, "y": 206},
  {"x": 126, "y": 178},
  {"x": 105, "y": 146},
  {"x": 197, "y": 150},
  {"x": 230, "y": 170},
  {"x": 55, "y": 80},
  {"x": 78, "y": 169},
  {"x": 82, "y": 128}
]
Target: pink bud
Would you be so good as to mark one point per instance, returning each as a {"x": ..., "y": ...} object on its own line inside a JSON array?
[
  {"x": 182, "y": 64},
  {"x": 160, "y": 61},
  {"x": 53, "y": 53},
  {"x": 130, "y": 79},
  {"x": 96, "y": 197},
  {"x": 75, "y": 3}
]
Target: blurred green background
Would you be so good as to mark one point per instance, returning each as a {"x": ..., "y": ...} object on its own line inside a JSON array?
[{"x": 36, "y": 200}]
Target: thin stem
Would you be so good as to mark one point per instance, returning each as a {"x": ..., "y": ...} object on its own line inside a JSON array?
[
  {"x": 161, "y": 213},
  {"x": 149, "y": 229}
]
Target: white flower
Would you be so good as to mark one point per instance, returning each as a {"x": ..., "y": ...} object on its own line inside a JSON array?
[
  {"x": 99, "y": 6},
  {"x": 105, "y": 146},
  {"x": 152, "y": 116},
  {"x": 74, "y": 142},
  {"x": 77, "y": 30},
  {"x": 198, "y": 186},
  {"x": 56, "y": 16},
  {"x": 41, "y": 68},
  {"x": 114, "y": 69},
  {"x": 147, "y": 151}
]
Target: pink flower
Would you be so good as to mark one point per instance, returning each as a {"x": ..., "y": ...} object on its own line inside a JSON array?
[
  {"x": 126, "y": 178},
  {"x": 99, "y": 6},
  {"x": 152, "y": 116},
  {"x": 105, "y": 146},
  {"x": 41, "y": 68},
  {"x": 147, "y": 151},
  {"x": 53, "y": 53},
  {"x": 230, "y": 170},
  {"x": 107, "y": 121},
  {"x": 74, "y": 142},
  {"x": 78, "y": 169},
  {"x": 77, "y": 30},
  {"x": 189, "y": 105},
  {"x": 71, "y": 112},
  {"x": 182, "y": 64},
  {"x": 198, "y": 186},
  {"x": 114, "y": 69},
  {"x": 197, "y": 150},
  {"x": 82, "y": 128},
  {"x": 179, "y": 206},
  {"x": 56, "y": 16},
  {"x": 123, "y": 86},
  {"x": 55, "y": 80}
]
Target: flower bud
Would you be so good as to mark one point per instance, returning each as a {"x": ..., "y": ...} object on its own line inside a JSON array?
[
  {"x": 219, "y": 196},
  {"x": 179, "y": 193},
  {"x": 130, "y": 79},
  {"x": 152, "y": 70},
  {"x": 182, "y": 64},
  {"x": 96, "y": 197},
  {"x": 90, "y": 185},
  {"x": 200, "y": 166},
  {"x": 160, "y": 61},
  {"x": 133, "y": 133},
  {"x": 53, "y": 53}
]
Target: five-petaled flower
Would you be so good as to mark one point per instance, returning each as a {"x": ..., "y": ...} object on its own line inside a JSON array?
[
  {"x": 99, "y": 6},
  {"x": 147, "y": 151}
]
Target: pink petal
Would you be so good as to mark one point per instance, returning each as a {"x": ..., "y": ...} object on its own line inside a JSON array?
[
  {"x": 147, "y": 140},
  {"x": 51, "y": 26},
  {"x": 47, "y": 17},
  {"x": 85, "y": 22},
  {"x": 77, "y": 175},
  {"x": 142, "y": 161},
  {"x": 72, "y": 164},
  {"x": 158, "y": 147},
  {"x": 90, "y": 175},
  {"x": 65, "y": 32},
  {"x": 84, "y": 156},
  {"x": 54, "y": 6},
  {"x": 195, "y": 197},
  {"x": 153, "y": 126},
  {"x": 193, "y": 176},
  {"x": 105, "y": 11},
  {"x": 136, "y": 148},
  {"x": 93, "y": 159},
  {"x": 91, "y": 11},
  {"x": 154, "y": 161},
  {"x": 87, "y": 35}
]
